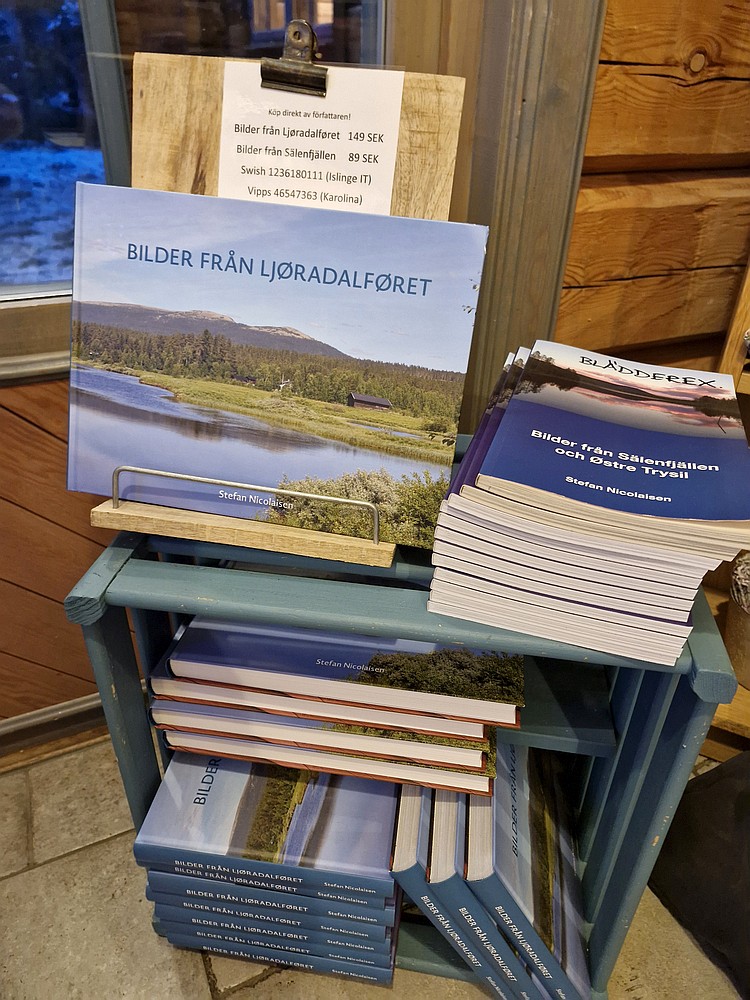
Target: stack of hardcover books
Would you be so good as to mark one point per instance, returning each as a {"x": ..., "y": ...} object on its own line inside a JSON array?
[
  {"x": 274, "y": 864},
  {"x": 497, "y": 877},
  {"x": 593, "y": 499},
  {"x": 387, "y": 709}
]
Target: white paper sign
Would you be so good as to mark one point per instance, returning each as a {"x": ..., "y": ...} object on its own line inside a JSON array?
[{"x": 337, "y": 151}]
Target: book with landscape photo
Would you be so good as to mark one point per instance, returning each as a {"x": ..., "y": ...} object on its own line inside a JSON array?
[
  {"x": 213, "y": 338},
  {"x": 333, "y": 763},
  {"x": 625, "y": 442},
  {"x": 250, "y": 925},
  {"x": 409, "y": 866},
  {"x": 165, "y": 686},
  {"x": 605, "y": 493},
  {"x": 272, "y": 827},
  {"x": 357, "y": 741},
  {"x": 189, "y": 908},
  {"x": 224, "y": 894},
  {"x": 521, "y": 865},
  {"x": 380, "y": 672},
  {"x": 270, "y": 955}
]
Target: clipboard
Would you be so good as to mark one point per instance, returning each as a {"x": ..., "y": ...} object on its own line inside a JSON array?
[{"x": 177, "y": 108}]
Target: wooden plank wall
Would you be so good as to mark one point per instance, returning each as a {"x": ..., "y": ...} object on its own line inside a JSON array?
[
  {"x": 662, "y": 226},
  {"x": 47, "y": 545}
]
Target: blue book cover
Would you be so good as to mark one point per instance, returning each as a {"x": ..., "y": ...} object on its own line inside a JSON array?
[
  {"x": 375, "y": 933},
  {"x": 211, "y": 340},
  {"x": 257, "y": 931},
  {"x": 275, "y": 826},
  {"x": 521, "y": 865},
  {"x": 446, "y": 878},
  {"x": 164, "y": 684},
  {"x": 304, "y": 963},
  {"x": 490, "y": 422},
  {"x": 626, "y": 437},
  {"x": 389, "y": 673},
  {"x": 409, "y": 867},
  {"x": 223, "y": 893}
]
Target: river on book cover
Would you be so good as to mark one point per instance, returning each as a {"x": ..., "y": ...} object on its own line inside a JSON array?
[
  {"x": 273, "y": 814},
  {"x": 262, "y": 345}
]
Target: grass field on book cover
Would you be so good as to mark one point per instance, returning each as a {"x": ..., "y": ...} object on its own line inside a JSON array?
[
  {"x": 269, "y": 345},
  {"x": 222, "y": 808}
]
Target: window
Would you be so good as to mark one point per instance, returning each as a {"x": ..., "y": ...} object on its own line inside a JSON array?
[{"x": 64, "y": 116}]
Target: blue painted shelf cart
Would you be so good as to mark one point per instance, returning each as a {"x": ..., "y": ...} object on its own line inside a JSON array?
[{"x": 633, "y": 730}]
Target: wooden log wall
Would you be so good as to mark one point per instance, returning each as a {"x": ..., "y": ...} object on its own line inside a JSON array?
[
  {"x": 47, "y": 545},
  {"x": 661, "y": 234}
]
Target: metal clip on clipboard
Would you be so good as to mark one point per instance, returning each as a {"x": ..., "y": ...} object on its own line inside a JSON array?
[{"x": 296, "y": 71}]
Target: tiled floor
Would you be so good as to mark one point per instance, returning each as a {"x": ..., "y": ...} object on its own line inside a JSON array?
[{"x": 74, "y": 923}]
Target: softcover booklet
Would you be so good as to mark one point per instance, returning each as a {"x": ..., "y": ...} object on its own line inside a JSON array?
[
  {"x": 269, "y": 345},
  {"x": 625, "y": 436}
]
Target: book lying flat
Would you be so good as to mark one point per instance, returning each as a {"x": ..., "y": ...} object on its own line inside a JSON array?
[
  {"x": 317, "y": 735},
  {"x": 318, "y": 941},
  {"x": 521, "y": 864},
  {"x": 267, "y": 954},
  {"x": 329, "y": 762},
  {"x": 400, "y": 674},
  {"x": 191, "y": 907},
  {"x": 310, "y": 833},
  {"x": 164, "y": 685},
  {"x": 225, "y": 893}
]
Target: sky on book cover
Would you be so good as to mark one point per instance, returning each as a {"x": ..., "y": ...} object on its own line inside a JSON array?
[
  {"x": 259, "y": 343},
  {"x": 627, "y": 436},
  {"x": 334, "y": 823}
]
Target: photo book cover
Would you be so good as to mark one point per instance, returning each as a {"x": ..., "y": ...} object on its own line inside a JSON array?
[{"x": 274, "y": 346}]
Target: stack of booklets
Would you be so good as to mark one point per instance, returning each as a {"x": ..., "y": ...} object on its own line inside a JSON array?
[
  {"x": 382, "y": 708},
  {"x": 497, "y": 877},
  {"x": 273, "y": 864},
  {"x": 593, "y": 499}
]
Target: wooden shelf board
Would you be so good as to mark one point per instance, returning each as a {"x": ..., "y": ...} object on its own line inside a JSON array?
[{"x": 150, "y": 519}]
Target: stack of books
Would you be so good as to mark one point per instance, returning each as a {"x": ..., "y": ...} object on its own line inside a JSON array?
[
  {"x": 277, "y": 865},
  {"x": 387, "y": 709},
  {"x": 497, "y": 877},
  {"x": 593, "y": 499}
]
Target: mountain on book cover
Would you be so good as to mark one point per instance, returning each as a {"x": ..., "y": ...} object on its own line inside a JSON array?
[
  {"x": 630, "y": 437},
  {"x": 272, "y": 346}
]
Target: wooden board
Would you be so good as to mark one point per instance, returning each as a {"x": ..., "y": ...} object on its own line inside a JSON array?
[
  {"x": 648, "y": 310},
  {"x": 177, "y": 103},
  {"x": 672, "y": 86},
  {"x": 150, "y": 519},
  {"x": 658, "y": 223}
]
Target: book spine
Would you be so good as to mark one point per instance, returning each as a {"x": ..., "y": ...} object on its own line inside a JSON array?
[
  {"x": 306, "y": 963},
  {"x": 259, "y": 933},
  {"x": 356, "y": 932},
  {"x": 413, "y": 882},
  {"x": 222, "y": 892},
  {"x": 252, "y": 925},
  {"x": 291, "y": 879},
  {"x": 467, "y": 912},
  {"x": 520, "y": 932}
]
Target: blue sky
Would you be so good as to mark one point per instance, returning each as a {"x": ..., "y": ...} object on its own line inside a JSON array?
[{"x": 432, "y": 330}]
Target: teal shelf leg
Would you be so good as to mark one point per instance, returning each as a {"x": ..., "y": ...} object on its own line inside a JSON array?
[
  {"x": 110, "y": 650},
  {"x": 679, "y": 744}
]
